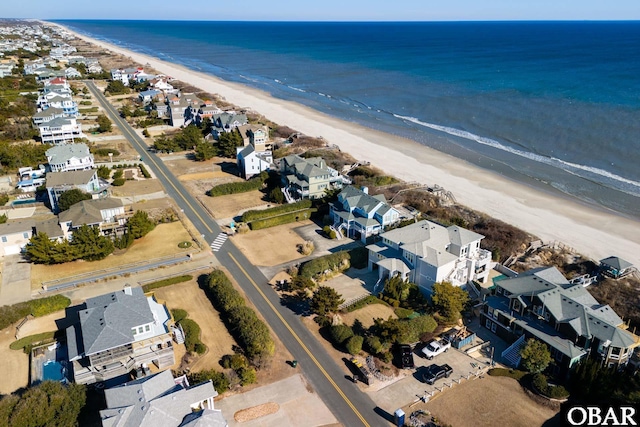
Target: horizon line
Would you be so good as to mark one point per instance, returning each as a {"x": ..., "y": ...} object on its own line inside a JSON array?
[{"x": 328, "y": 21}]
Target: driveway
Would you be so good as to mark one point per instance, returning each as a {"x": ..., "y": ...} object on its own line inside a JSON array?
[{"x": 16, "y": 280}]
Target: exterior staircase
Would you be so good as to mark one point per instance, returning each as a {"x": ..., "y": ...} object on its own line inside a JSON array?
[
  {"x": 511, "y": 355},
  {"x": 178, "y": 334}
]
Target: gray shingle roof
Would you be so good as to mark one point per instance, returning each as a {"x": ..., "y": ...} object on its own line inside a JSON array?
[
  {"x": 157, "y": 401},
  {"x": 14, "y": 227},
  {"x": 61, "y": 153},
  {"x": 616, "y": 262},
  {"x": 51, "y": 111},
  {"x": 88, "y": 211},
  {"x": 81, "y": 177},
  {"x": 51, "y": 227},
  {"x": 108, "y": 319}
]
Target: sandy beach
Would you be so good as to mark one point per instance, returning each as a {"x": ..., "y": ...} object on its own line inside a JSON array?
[{"x": 590, "y": 231}]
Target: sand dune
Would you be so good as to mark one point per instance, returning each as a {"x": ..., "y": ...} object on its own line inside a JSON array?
[{"x": 592, "y": 232}]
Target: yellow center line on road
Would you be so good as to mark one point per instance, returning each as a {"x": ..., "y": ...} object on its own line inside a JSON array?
[
  {"x": 126, "y": 129},
  {"x": 304, "y": 347}
]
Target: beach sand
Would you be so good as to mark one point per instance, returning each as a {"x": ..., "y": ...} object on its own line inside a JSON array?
[{"x": 592, "y": 232}]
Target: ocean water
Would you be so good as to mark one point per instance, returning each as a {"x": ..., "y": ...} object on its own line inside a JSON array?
[{"x": 551, "y": 104}]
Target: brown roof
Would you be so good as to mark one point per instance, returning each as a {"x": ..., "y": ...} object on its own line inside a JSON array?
[{"x": 88, "y": 211}]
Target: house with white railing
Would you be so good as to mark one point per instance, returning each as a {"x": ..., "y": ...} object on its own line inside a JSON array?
[
  {"x": 60, "y": 130},
  {"x": 542, "y": 304},
  {"x": 69, "y": 157},
  {"x": 426, "y": 253}
]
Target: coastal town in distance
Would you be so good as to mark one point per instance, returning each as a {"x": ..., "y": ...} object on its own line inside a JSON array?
[{"x": 171, "y": 257}]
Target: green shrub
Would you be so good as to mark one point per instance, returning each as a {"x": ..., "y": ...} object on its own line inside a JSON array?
[
  {"x": 511, "y": 373},
  {"x": 144, "y": 171},
  {"x": 179, "y": 314},
  {"x": 104, "y": 152},
  {"x": 332, "y": 234},
  {"x": 418, "y": 326},
  {"x": 200, "y": 348},
  {"x": 192, "y": 334},
  {"x": 386, "y": 357},
  {"x": 326, "y": 230},
  {"x": 539, "y": 381},
  {"x": 340, "y": 334},
  {"x": 26, "y": 343},
  {"x": 219, "y": 380},
  {"x": 359, "y": 257},
  {"x": 557, "y": 392},
  {"x": 354, "y": 345},
  {"x": 166, "y": 282},
  {"x": 371, "y": 299},
  {"x": 403, "y": 313},
  {"x": 118, "y": 182},
  {"x": 282, "y": 219},
  {"x": 373, "y": 345},
  {"x": 43, "y": 306},
  {"x": 316, "y": 267},
  {"x": 253, "y": 215},
  {"x": 247, "y": 376},
  {"x": 234, "y": 361},
  {"x": 236, "y": 187}
]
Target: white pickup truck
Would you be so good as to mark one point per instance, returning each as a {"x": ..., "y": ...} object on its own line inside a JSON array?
[{"x": 436, "y": 347}]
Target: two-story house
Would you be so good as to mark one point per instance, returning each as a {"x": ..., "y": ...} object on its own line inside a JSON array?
[
  {"x": 542, "y": 304},
  {"x": 14, "y": 236},
  {"x": 256, "y": 135},
  {"x": 308, "y": 178},
  {"x": 226, "y": 122},
  {"x": 251, "y": 162},
  {"x": 360, "y": 214},
  {"x": 85, "y": 180},
  {"x": 69, "y": 157},
  {"x": 47, "y": 115},
  {"x": 160, "y": 400},
  {"x": 426, "y": 253},
  {"x": 112, "y": 334},
  {"x": 108, "y": 215}
]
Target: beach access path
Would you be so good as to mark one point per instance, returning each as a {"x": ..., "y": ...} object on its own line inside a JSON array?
[
  {"x": 593, "y": 232},
  {"x": 344, "y": 399}
]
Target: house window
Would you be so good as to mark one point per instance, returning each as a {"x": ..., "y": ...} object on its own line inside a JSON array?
[
  {"x": 25, "y": 235},
  {"x": 146, "y": 328},
  {"x": 134, "y": 331},
  {"x": 4, "y": 239},
  {"x": 140, "y": 330}
]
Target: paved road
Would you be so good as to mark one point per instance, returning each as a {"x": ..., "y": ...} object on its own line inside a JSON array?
[{"x": 350, "y": 406}]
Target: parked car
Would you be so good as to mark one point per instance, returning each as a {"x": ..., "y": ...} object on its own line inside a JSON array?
[
  {"x": 405, "y": 356},
  {"x": 435, "y": 372},
  {"x": 436, "y": 347}
]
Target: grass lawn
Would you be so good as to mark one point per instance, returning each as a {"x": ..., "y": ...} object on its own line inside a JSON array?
[
  {"x": 270, "y": 246},
  {"x": 160, "y": 242}
]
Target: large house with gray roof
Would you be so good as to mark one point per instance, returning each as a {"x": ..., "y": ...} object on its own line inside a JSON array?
[
  {"x": 426, "y": 253},
  {"x": 84, "y": 180},
  {"x": 106, "y": 214},
  {"x": 112, "y": 334},
  {"x": 542, "y": 304},
  {"x": 360, "y": 214},
  {"x": 161, "y": 401},
  {"x": 308, "y": 178},
  {"x": 60, "y": 130},
  {"x": 69, "y": 157}
]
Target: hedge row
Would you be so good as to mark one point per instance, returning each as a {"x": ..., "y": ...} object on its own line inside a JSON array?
[
  {"x": 144, "y": 171},
  {"x": 251, "y": 333},
  {"x": 315, "y": 267},
  {"x": 253, "y": 215},
  {"x": 281, "y": 219},
  {"x": 236, "y": 187},
  {"x": 10, "y": 314},
  {"x": 166, "y": 282},
  {"x": 192, "y": 336}
]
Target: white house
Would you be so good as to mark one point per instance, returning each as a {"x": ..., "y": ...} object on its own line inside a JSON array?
[
  {"x": 47, "y": 115},
  {"x": 251, "y": 162},
  {"x": 71, "y": 73},
  {"x": 69, "y": 157},
  {"x": 14, "y": 236},
  {"x": 360, "y": 214},
  {"x": 426, "y": 253},
  {"x": 60, "y": 130},
  {"x": 126, "y": 74}
]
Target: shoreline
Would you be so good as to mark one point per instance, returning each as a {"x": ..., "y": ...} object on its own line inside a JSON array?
[{"x": 591, "y": 231}]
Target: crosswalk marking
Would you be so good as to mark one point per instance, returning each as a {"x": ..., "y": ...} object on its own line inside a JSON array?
[{"x": 219, "y": 241}]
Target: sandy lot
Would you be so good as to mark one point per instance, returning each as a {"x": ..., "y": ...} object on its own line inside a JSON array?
[
  {"x": 491, "y": 401},
  {"x": 162, "y": 241},
  {"x": 223, "y": 207},
  {"x": 198, "y": 176},
  {"x": 190, "y": 297},
  {"x": 368, "y": 313},
  {"x": 270, "y": 246},
  {"x": 137, "y": 188}
]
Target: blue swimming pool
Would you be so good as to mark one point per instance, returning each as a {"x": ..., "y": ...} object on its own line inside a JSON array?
[
  {"x": 22, "y": 202},
  {"x": 52, "y": 370}
]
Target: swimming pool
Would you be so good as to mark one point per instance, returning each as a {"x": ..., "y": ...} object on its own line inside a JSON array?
[
  {"x": 22, "y": 202},
  {"x": 52, "y": 370}
]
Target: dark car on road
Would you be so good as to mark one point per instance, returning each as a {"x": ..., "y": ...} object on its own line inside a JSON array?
[{"x": 435, "y": 372}]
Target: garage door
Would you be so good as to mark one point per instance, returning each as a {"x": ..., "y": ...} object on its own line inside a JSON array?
[{"x": 12, "y": 249}]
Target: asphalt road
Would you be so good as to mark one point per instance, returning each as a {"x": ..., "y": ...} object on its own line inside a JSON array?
[{"x": 350, "y": 406}]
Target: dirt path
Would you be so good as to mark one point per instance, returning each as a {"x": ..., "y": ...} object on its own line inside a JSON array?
[
  {"x": 491, "y": 401},
  {"x": 15, "y": 364}
]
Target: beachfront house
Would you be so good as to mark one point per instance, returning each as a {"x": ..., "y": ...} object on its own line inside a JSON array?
[
  {"x": 360, "y": 214},
  {"x": 256, "y": 135},
  {"x": 147, "y": 96},
  {"x": 226, "y": 122},
  {"x": 125, "y": 74},
  {"x": 60, "y": 130},
  {"x": 14, "y": 236},
  {"x": 112, "y": 334},
  {"x": 69, "y": 157},
  {"x": 308, "y": 178},
  {"x": 251, "y": 162},
  {"x": 542, "y": 304},
  {"x": 85, "y": 180},
  {"x": 160, "y": 400},
  {"x": 45, "y": 116},
  {"x": 615, "y": 267},
  {"x": 426, "y": 253},
  {"x": 72, "y": 73},
  {"x": 107, "y": 215}
]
